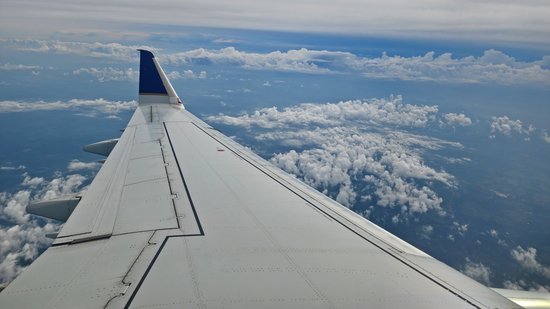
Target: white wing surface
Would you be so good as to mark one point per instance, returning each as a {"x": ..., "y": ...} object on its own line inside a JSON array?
[{"x": 181, "y": 216}]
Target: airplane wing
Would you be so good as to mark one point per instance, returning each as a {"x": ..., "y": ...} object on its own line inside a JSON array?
[{"x": 181, "y": 216}]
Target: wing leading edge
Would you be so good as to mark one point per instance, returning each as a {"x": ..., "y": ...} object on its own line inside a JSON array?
[{"x": 182, "y": 216}]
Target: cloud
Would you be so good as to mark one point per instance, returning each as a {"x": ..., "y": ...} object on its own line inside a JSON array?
[
  {"x": 32, "y": 182},
  {"x": 76, "y": 165},
  {"x": 457, "y": 119},
  {"x": 303, "y": 60},
  {"x": 507, "y": 126},
  {"x": 349, "y": 161},
  {"x": 491, "y": 67},
  {"x": 109, "y": 74},
  {"x": 12, "y": 168},
  {"x": 24, "y": 237},
  {"x": 374, "y": 111},
  {"x": 523, "y": 22},
  {"x": 477, "y": 271},
  {"x": 426, "y": 231},
  {"x": 527, "y": 258},
  {"x": 97, "y": 105},
  {"x": 347, "y": 151},
  {"x": 460, "y": 228},
  {"x": 18, "y": 67},
  {"x": 546, "y": 137},
  {"x": 186, "y": 74},
  {"x": 114, "y": 51},
  {"x": 522, "y": 284}
]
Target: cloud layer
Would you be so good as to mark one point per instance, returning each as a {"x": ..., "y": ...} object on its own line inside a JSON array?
[
  {"x": 108, "y": 74},
  {"x": 492, "y": 66},
  {"x": 493, "y": 21},
  {"x": 96, "y": 105}
]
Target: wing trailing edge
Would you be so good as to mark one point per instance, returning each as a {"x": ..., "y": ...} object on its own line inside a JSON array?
[{"x": 154, "y": 86}]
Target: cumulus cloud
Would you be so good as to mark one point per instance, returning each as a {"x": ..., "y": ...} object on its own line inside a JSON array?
[
  {"x": 88, "y": 49},
  {"x": 76, "y": 165},
  {"x": 12, "y": 168},
  {"x": 453, "y": 119},
  {"x": 303, "y": 60},
  {"x": 507, "y": 126},
  {"x": 461, "y": 229},
  {"x": 97, "y": 105},
  {"x": 346, "y": 151},
  {"x": 527, "y": 258},
  {"x": 491, "y": 67},
  {"x": 186, "y": 74},
  {"x": 477, "y": 271},
  {"x": 24, "y": 236},
  {"x": 109, "y": 74},
  {"x": 374, "y": 111},
  {"x": 18, "y": 67},
  {"x": 546, "y": 137},
  {"x": 350, "y": 161},
  {"x": 115, "y": 74},
  {"x": 32, "y": 181}
]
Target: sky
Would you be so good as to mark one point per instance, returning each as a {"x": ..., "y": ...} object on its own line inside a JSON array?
[{"x": 429, "y": 118}]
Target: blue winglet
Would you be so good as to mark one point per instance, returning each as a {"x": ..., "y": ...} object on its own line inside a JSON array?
[{"x": 149, "y": 78}]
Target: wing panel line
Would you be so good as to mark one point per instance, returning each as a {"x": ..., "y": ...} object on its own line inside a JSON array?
[
  {"x": 151, "y": 264},
  {"x": 184, "y": 182}
]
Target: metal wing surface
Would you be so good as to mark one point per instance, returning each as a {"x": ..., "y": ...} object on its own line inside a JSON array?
[{"x": 181, "y": 216}]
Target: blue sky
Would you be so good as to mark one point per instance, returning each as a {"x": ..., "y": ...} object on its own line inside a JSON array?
[{"x": 431, "y": 119}]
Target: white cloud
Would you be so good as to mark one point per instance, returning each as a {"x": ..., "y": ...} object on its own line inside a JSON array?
[
  {"x": 426, "y": 231},
  {"x": 115, "y": 51},
  {"x": 12, "y": 168},
  {"x": 350, "y": 161},
  {"x": 460, "y": 228},
  {"x": 186, "y": 74},
  {"x": 18, "y": 67},
  {"x": 109, "y": 74},
  {"x": 24, "y": 237},
  {"x": 115, "y": 74},
  {"x": 527, "y": 258},
  {"x": 98, "y": 105},
  {"x": 477, "y": 271},
  {"x": 303, "y": 60},
  {"x": 457, "y": 119},
  {"x": 374, "y": 111},
  {"x": 32, "y": 181},
  {"x": 523, "y": 22},
  {"x": 524, "y": 285},
  {"x": 546, "y": 137},
  {"x": 76, "y": 165},
  {"x": 491, "y": 67},
  {"x": 507, "y": 126}
]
